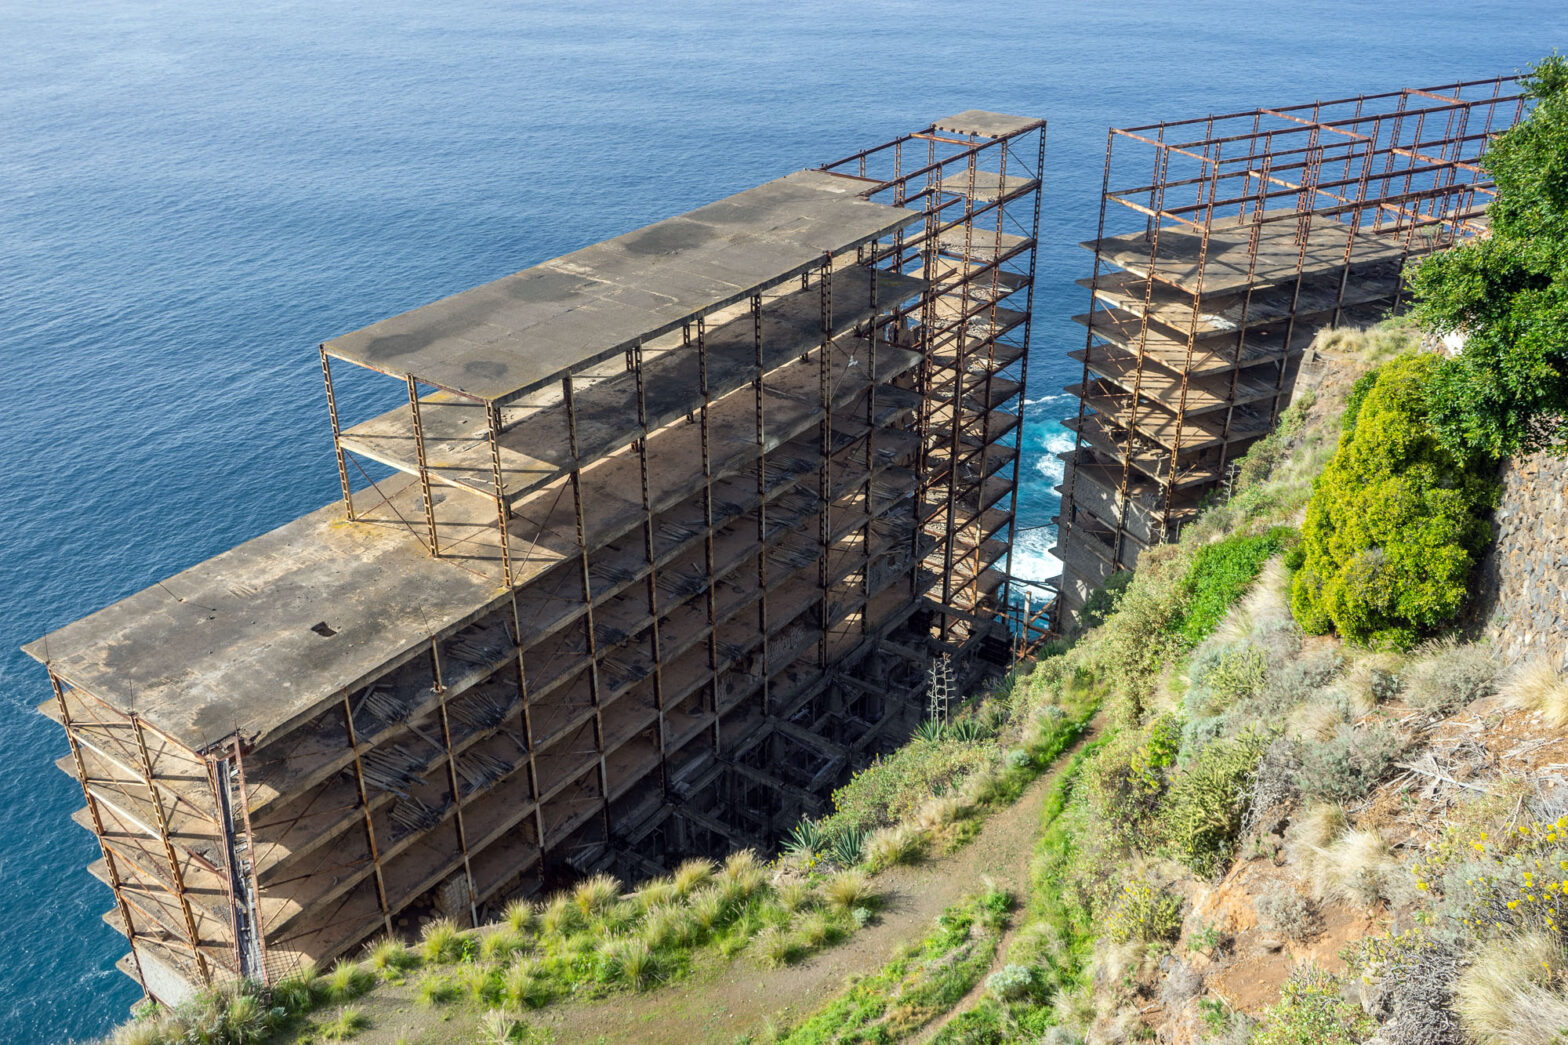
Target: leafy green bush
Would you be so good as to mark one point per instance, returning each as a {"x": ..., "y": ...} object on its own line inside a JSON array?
[
  {"x": 1201, "y": 816},
  {"x": 1311, "y": 1012},
  {"x": 1144, "y": 913},
  {"x": 1222, "y": 675},
  {"x": 1126, "y": 780},
  {"x": 1102, "y": 600},
  {"x": 1507, "y": 392},
  {"x": 1011, "y": 983},
  {"x": 1395, "y": 523},
  {"x": 1219, "y": 573}
]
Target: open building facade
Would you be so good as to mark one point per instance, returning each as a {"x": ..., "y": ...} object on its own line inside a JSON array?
[
  {"x": 668, "y": 535},
  {"x": 1225, "y": 244}
]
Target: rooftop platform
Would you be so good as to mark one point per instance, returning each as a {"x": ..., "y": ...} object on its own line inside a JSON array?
[
  {"x": 500, "y": 341},
  {"x": 534, "y": 446},
  {"x": 227, "y": 646},
  {"x": 985, "y": 124},
  {"x": 1229, "y": 267}
]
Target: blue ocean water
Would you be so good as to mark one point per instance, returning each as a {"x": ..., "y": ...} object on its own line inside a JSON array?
[{"x": 192, "y": 195}]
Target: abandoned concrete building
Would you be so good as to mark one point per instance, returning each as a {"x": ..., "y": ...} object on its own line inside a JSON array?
[
  {"x": 1225, "y": 244},
  {"x": 675, "y": 528}
]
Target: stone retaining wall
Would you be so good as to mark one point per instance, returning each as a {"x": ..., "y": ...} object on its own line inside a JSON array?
[{"x": 1522, "y": 584}]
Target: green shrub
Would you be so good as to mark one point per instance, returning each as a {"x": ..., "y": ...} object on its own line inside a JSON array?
[
  {"x": 1139, "y": 638},
  {"x": 1349, "y": 764},
  {"x": 890, "y": 789},
  {"x": 1284, "y": 912},
  {"x": 1202, "y": 814},
  {"x": 1507, "y": 392},
  {"x": 1395, "y": 524},
  {"x": 1311, "y": 1012},
  {"x": 1223, "y": 675},
  {"x": 1127, "y": 778},
  {"x": 1357, "y": 396},
  {"x": 1449, "y": 675},
  {"x": 1012, "y": 983},
  {"x": 1220, "y": 573},
  {"x": 1145, "y": 913},
  {"x": 847, "y": 845}
]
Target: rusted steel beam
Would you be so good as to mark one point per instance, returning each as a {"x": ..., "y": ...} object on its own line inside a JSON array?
[
  {"x": 369, "y": 822},
  {"x": 424, "y": 470},
  {"x": 175, "y": 871},
  {"x": 115, "y": 884},
  {"x": 337, "y": 434}
]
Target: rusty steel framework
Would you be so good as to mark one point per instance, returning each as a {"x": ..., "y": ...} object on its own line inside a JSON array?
[
  {"x": 976, "y": 182},
  {"x": 675, "y": 527},
  {"x": 1224, "y": 245}
]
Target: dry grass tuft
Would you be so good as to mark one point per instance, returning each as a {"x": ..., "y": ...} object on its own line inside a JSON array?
[
  {"x": 901, "y": 844},
  {"x": 1372, "y": 680},
  {"x": 1512, "y": 994},
  {"x": 1357, "y": 867},
  {"x": 596, "y": 894},
  {"x": 141, "y": 1032},
  {"x": 1447, "y": 675},
  {"x": 1315, "y": 828},
  {"x": 1267, "y": 604},
  {"x": 1538, "y": 686},
  {"x": 1317, "y": 719},
  {"x": 1112, "y": 963},
  {"x": 389, "y": 954},
  {"x": 850, "y": 889},
  {"x": 692, "y": 875},
  {"x": 939, "y": 812},
  {"x": 560, "y": 915},
  {"x": 442, "y": 941},
  {"x": 631, "y": 960},
  {"x": 794, "y": 895},
  {"x": 519, "y": 915},
  {"x": 656, "y": 892}
]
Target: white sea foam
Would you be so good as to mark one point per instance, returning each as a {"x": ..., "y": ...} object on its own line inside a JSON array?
[
  {"x": 1057, "y": 440},
  {"x": 1033, "y": 561}
]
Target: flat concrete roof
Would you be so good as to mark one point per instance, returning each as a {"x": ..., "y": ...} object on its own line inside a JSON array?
[
  {"x": 226, "y": 646},
  {"x": 986, "y": 124},
  {"x": 1230, "y": 261},
  {"x": 505, "y": 339}
]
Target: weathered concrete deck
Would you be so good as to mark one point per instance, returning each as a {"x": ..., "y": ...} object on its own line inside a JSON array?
[
  {"x": 1230, "y": 265},
  {"x": 227, "y": 646},
  {"x": 500, "y": 341}
]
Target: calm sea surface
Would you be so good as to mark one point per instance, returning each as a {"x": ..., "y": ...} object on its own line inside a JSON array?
[{"x": 192, "y": 195}]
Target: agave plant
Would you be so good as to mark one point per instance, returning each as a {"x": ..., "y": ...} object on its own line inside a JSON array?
[
  {"x": 846, "y": 847},
  {"x": 930, "y": 731},
  {"x": 805, "y": 840},
  {"x": 967, "y": 731}
]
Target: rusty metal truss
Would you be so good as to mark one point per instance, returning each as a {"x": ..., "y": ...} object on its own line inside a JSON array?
[
  {"x": 1224, "y": 245},
  {"x": 674, "y": 528}
]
